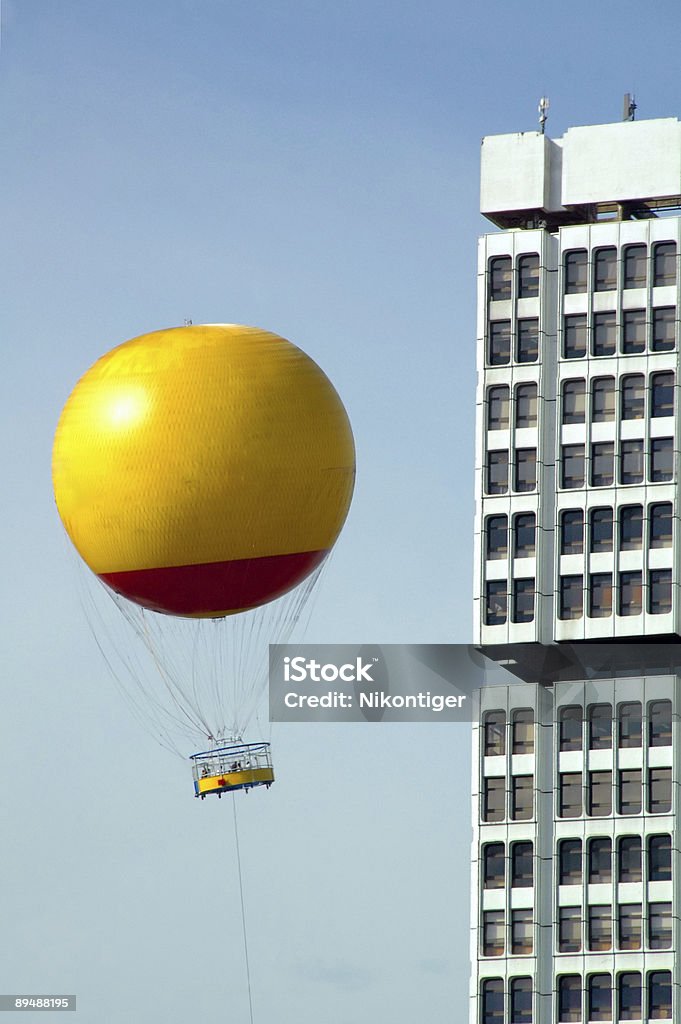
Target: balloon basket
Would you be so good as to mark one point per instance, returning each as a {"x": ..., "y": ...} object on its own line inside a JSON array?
[{"x": 224, "y": 769}]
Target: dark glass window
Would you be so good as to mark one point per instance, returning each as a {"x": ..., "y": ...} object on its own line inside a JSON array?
[
  {"x": 631, "y": 462},
  {"x": 526, "y": 405},
  {"x": 574, "y": 342},
  {"x": 523, "y": 600},
  {"x": 664, "y": 263},
  {"x": 569, "y": 999},
  {"x": 569, "y": 929},
  {"x": 570, "y": 719},
  {"x": 522, "y": 874},
  {"x": 493, "y": 928},
  {"x": 631, "y": 527},
  {"x": 629, "y": 926},
  {"x": 574, "y": 401},
  {"x": 635, "y": 261},
  {"x": 634, "y": 331},
  {"x": 661, "y": 525},
  {"x": 600, "y": 861},
  {"x": 522, "y": 937},
  {"x": 600, "y": 595},
  {"x": 500, "y": 278},
  {"x": 497, "y": 536},
  {"x": 528, "y": 340},
  {"x": 629, "y": 859},
  {"x": 660, "y": 995},
  {"x": 631, "y": 724},
  {"x": 660, "y": 925},
  {"x": 525, "y": 469},
  {"x": 493, "y": 866},
  {"x": 575, "y": 271},
  {"x": 605, "y": 270},
  {"x": 495, "y": 798},
  {"x": 600, "y": 529},
  {"x": 633, "y": 396},
  {"x": 659, "y": 790},
  {"x": 525, "y": 529},
  {"x": 495, "y": 733},
  {"x": 571, "y": 597},
  {"x": 570, "y": 794},
  {"x": 572, "y": 532},
  {"x": 492, "y": 993},
  {"x": 573, "y": 465},
  {"x": 660, "y": 723},
  {"x": 528, "y": 276},
  {"x": 663, "y": 394},
  {"x": 603, "y": 399},
  {"x": 496, "y": 600},
  {"x": 600, "y": 794},
  {"x": 662, "y": 459},
  {"x": 497, "y": 472},
  {"x": 631, "y": 587},
  {"x": 660, "y": 858},
  {"x": 602, "y": 463},
  {"x": 664, "y": 329},
  {"x": 629, "y": 996},
  {"x": 570, "y": 862},
  {"x": 660, "y": 591},
  {"x": 499, "y": 342},
  {"x": 600, "y": 997},
  {"x": 630, "y": 791},
  {"x": 604, "y": 334},
  {"x": 522, "y": 797},
  {"x": 600, "y": 928},
  {"x": 521, "y": 1001},
  {"x": 497, "y": 408},
  {"x": 523, "y": 732}
]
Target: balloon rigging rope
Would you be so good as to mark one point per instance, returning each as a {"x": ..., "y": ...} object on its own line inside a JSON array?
[{"x": 243, "y": 909}]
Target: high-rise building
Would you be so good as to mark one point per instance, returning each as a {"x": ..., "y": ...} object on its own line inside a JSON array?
[{"x": 577, "y": 866}]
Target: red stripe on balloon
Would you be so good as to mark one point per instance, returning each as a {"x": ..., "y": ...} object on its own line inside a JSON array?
[{"x": 214, "y": 588}]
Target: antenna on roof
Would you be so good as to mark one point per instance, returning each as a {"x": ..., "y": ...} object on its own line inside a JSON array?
[
  {"x": 542, "y": 108},
  {"x": 629, "y": 108}
]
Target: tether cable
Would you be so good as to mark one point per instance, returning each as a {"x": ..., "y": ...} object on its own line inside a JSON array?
[{"x": 243, "y": 909}]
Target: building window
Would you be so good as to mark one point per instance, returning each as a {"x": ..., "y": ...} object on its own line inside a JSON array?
[
  {"x": 631, "y": 527},
  {"x": 604, "y": 334},
  {"x": 629, "y": 859},
  {"x": 574, "y": 404},
  {"x": 660, "y": 591},
  {"x": 659, "y": 790},
  {"x": 600, "y": 529},
  {"x": 635, "y": 261},
  {"x": 574, "y": 329},
  {"x": 525, "y": 469},
  {"x": 629, "y": 926},
  {"x": 662, "y": 459},
  {"x": 569, "y": 929},
  {"x": 603, "y": 399},
  {"x": 570, "y": 862},
  {"x": 660, "y": 995},
  {"x": 600, "y": 928},
  {"x": 499, "y": 342},
  {"x": 631, "y": 587},
  {"x": 576, "y": 271},
  {"x": 497, "y": 472},
  {"x": 569, "y": 999},
  {"x": 660, "y": 858},
  {"x": 495, "y": 733},
  {"x": 528, "y": 340},
  {"x": 572, "y": 532},
  {"x": 631, "y": 724},
  {"x": 522, "y": 871},
  {"x": 571, "y": 597},
  {"x": 631, "y": 462},
  {"x": 523, "y": 600},
  {"x": 495, "y": 799},
  {"x": 600, "y": 996},
  {"x": 602, "y": 464},
  {"x": 521, "y": 1001},
  {"x": 600, "y": 861},
  {"x": 629, "y": 996},
  {"x": 600, "y": 794},
  {"x": 523, "y": 732},
  {"x": 572, "y": 465},
  {"x": 633, "y": 396},
  {"x": 664, "y": 329},
  {"x": 630, "y": 791},
  {"x": 493, "y": 1001},
  {"x": 663, "y": 394},
  {"x": 660, "y": 723},
  {"x": 493, "y": 928},
  {"x": 496, "y": 599},
  {"x": 570, "y": 794},
  {"x": 528, "y": 277},
  {"x": 522, "y": 797},
  {"x": 497, "y": 408},
  {"x": 660, "y": 925},
  {"x": 634, "y": 331},
  {"x": 661, "y": 525},
  {"x": 493, "y": 866},
  {"x": 600, "y": 727},
  {"x": 500, "y": 278},
  {"x": 605, "y": 270},
  {"x": 526, "y": 405},
  {"x": 570, "y": 719},
  {"x": 524, "y": 530},
  {"x": 664, "y": 264},
  {"x": 521, "y": 932},
  {"x": 497, "y": 537}
]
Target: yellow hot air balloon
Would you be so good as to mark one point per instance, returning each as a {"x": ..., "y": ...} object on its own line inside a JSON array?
[{"x": 201, "y": 472}]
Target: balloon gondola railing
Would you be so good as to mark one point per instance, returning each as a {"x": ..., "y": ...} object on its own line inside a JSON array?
[{"x": 231, "y": 767}]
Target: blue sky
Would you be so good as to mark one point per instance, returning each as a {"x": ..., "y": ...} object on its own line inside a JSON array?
[{"x": 312, "y": 168}]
